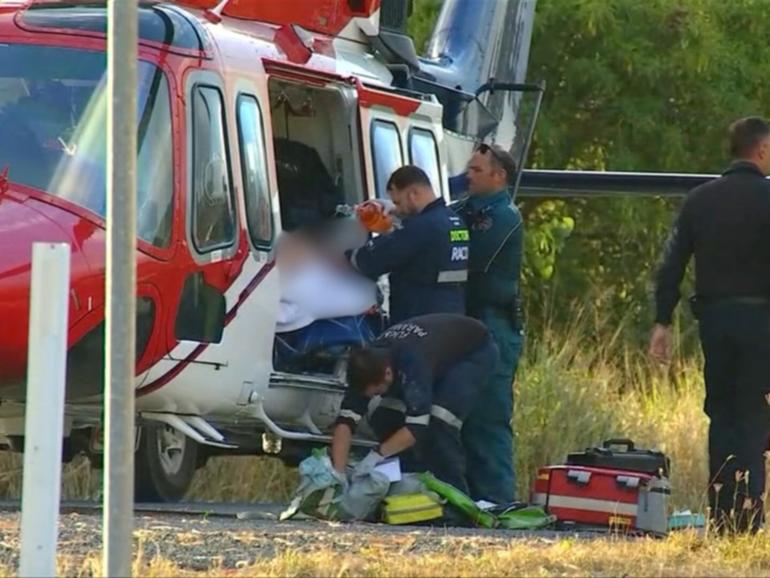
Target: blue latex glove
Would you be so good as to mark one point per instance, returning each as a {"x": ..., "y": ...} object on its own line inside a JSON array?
[{"x": 366, "y": 465}]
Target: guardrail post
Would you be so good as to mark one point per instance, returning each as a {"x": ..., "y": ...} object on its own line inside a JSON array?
[{"x": 44, "y": 422}]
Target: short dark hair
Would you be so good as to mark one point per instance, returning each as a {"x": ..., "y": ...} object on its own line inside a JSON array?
[
  {"x": 407, "y": 176},
  {"x": 745, "y": 135},
  {"x": 367, "y": 365},
  {"x": 500, "y": 159}
]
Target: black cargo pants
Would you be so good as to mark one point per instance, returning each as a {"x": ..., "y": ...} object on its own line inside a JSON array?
[{"x": 735, "y": 336}]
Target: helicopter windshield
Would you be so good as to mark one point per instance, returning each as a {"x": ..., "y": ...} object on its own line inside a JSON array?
[{"x": 53, "y": 119}]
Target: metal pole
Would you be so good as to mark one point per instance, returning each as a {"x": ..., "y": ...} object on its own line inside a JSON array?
[
  {"x": 44, "y": 423},
  {"x": 528, "y": 142},
  {"x": 122, "y": 39}
]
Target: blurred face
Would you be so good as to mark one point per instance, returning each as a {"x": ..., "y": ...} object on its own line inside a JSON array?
[
  {"x": 375, "y": 389},
  {"x": 405, "y": 200},
  {"x": 484, "y": 178},
  {"x": 292, "y": 250}
]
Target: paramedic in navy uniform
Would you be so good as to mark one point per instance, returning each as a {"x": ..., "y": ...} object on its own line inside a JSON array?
[
  {"x": 427, "y": 257},
  {"x": 428, "y": 370},
  {"x": 725, "y": 224}
]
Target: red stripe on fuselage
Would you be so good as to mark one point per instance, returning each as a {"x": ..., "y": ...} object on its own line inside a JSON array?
[
  {"x": 401, "y": 105},
  {"x": 195, "y": 353}
]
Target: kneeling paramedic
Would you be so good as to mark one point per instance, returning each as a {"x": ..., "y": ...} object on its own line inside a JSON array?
[{"x": 428, "y": 370}]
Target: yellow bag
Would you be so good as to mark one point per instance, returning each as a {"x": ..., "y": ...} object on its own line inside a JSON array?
[{"x": 411, "y": 508}]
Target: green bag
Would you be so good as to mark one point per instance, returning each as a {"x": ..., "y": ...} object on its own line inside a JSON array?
[
  {"x": 527, "y": 518},
  {"x": 459, "y": 500}
]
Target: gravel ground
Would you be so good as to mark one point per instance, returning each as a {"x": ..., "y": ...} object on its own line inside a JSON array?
[{"x": 201, "y": 542}]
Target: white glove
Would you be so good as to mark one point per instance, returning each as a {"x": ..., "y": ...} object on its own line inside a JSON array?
[{"x": 367, "y": 464}]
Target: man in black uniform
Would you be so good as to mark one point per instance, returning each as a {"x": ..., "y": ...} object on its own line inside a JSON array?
[
  {"x": 725, "y": 224},
  {"x": 427, "y": 257},
  {"x": 429, "y": 371}
]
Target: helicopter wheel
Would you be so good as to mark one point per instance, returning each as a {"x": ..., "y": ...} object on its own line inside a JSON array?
[{"x": 166, "y": 461}]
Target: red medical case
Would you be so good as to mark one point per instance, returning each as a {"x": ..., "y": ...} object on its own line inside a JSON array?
[{"x": 620, "y": 499}]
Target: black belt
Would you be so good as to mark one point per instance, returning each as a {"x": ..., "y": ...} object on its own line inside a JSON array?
[
  {"x": 759, "y": 300},
  {"x": 698, "y": 302}
]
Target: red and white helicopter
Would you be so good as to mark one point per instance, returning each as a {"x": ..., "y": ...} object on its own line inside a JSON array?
[{"x": 251, "y": 113}]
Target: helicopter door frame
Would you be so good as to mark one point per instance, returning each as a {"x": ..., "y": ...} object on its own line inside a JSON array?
[
  {"x": 427, "y": 124},
  {"x": 381, "y": 112}
]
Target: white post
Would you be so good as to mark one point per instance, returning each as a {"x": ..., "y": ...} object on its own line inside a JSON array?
[
  {"x": 122, "y": 52},
  {"x": 44, "y": 422}
]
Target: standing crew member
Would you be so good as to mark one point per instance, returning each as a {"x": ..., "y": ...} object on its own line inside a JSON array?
[
  {"x": 496, "y": 244},
  {"x": 427, "y": 257},
  {"x": 428, "y": 370},
  {"x": 725, "y": 224}
]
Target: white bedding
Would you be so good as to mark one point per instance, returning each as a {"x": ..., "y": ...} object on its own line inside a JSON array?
[{"x": 313, "y": 287}]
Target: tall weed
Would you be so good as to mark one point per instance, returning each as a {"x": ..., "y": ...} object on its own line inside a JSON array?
[{"x": 569, "y": 397}]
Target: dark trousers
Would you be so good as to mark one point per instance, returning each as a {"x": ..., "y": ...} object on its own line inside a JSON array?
[
  {"x": 488, "y": 431},
  {"x": 735, "y": 337},
  {"x": 440, "y": 450}
]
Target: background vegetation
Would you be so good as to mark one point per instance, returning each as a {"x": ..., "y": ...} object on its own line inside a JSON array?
[{"x": 633, "y": 86}]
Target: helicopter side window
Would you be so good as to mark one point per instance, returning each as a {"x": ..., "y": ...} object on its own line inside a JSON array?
[
  {"x": 259, "y": 213},
  {"x": 386, "y": 152},
  {"x": 423, "y": 152},
  {"x": 213, "y": 207}
]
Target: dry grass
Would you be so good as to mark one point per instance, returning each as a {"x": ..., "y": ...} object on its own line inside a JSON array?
[
  {"x": 681, "y": 555},
  {"x": 244, "y": 478}
]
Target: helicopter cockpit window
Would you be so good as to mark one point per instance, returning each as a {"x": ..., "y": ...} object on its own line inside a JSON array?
[
  {"x": 423, "y": 152},
  {"x": 53, "y": 110},
  {"x": 387, "y": 154},
  {"x": 259, "y": 213},
  {"x": 213, "y": 210}
]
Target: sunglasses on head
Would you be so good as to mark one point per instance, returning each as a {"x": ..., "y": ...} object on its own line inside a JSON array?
[
  {"x": 483, "y": 148},
  {"x": 502, "y": 158}
]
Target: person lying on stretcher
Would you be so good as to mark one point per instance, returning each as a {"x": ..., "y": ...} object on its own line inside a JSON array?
[{"x": 325, "y": 306}]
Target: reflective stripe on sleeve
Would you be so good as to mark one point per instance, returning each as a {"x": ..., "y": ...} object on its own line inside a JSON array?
[
  {"x": 351, "y": 415},
  {"x": 393, "y": 403},
  {"x": 446, "y": 416},
  {"x": 452, "y": 276},
  {"x": 418, "y": 419}
]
